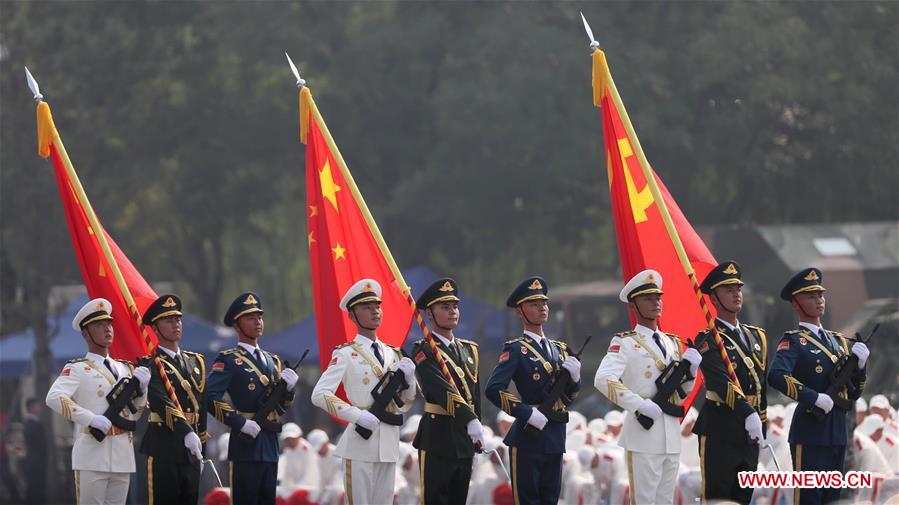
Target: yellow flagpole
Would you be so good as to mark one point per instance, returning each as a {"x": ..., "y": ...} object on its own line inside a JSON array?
[
  {"x": 47, "y": 127},
  {"x": 605, "y": 78}
]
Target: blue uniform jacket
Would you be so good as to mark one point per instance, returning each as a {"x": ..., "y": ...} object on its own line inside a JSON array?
[
  {"x": 245, "y": 379},
  {"x": 518, "y": 363},
  {"x": 801, "y": 370}
]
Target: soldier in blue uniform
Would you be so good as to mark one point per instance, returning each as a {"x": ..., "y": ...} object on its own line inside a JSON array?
[
  {"x": 532, "y": 362},
  {"x": 246, "y": 373},
  {"x": 801, "y": 370}
]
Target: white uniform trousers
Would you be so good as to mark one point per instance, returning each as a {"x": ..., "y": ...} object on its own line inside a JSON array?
[
  {"x": 101, "y": 488},
  {"x": 652, "y": 477},
  {"x": 368, "y": 483}
]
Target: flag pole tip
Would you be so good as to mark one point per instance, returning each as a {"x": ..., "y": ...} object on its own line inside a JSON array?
[
  {"x": 33, "y": 86},
  {"x": 296, "y": 73},
  {"x": 594, "y": 45}
]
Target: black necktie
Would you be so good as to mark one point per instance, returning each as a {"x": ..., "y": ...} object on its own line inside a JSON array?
[
  {"x": 261, "y": 359},
  {"x": 454, "y": 352},
  {"x": 110, "y": 368},
  {"x": 742, "y": 336},
  {"x": 546, "y": 350},
  {"x": 825, "y": 337},
  {"x": 377, "y": 350},
  {"x": 658, "y": 340},
  {"x": 181, "y": 361}
]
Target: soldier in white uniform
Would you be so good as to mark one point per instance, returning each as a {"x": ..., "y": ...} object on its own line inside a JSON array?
[
  {"x": 627, "y": 377},
  {"x": 79, "y": 394},
  {"x": 369, "y": 465}
]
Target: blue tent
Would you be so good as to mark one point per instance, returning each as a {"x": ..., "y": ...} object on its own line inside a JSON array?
[
  {"x": 488, "y": 325},
  {"x": 16, "y": 350}
]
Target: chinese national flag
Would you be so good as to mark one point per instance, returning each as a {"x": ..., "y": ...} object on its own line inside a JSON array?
[
  {"x": 345, "y": 245},
  {"x": 130, "y": 341},
  {"x": 643, "y": 241}
]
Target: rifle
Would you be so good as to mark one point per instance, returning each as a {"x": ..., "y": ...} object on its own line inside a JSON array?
[
  {"x": 272, "y": 401},
  {"x": 120, "y": 398},
  {"x": 393, "y": 381},
  {"x": 671, "y": 380},
  {"x": 555, "y": 392},
  {"x": 840, "y": 379}
]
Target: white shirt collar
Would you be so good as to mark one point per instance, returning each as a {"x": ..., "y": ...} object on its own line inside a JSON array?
[
  {"x": 537, "y": 338},
  {"x": 815, "y": 329},
  {"x": 729, "y": 326},
  {"x": 646, "y": 331},
  {"x": 250, "y": 348},
  {"x": 96, "y": 357},
  {"x": 170, "y": 352},
  {"x": 443, "y": 339}
]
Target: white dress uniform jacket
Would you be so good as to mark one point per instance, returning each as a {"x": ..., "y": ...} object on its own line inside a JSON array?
[
  {"x": 79, "y": 394},
  {"x": 627, "y": 376},
  {"x": 354, "y": 365}
]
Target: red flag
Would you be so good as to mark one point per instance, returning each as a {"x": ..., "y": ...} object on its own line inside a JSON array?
[
  {"x": 344, "y": 243},
  {"x": 131, "y": 340}
]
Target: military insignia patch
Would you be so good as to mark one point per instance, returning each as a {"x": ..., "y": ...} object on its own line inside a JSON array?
[
  {"x": 87, "y": 369},
  {"x": 504, "y": 357},
  {"x": 65, "y": 371},
  {"x": 536, "y": 376},
  {"x": 251, "y": 300},
  {"x": 819, "y": 368},
  {"x": 803, "y": 341},
  {"x": 524, "y": 350},
  {"x": 333, "y": 361},
  {"x": 446, "y": 286},
  {"x": 647, "y": 375},
  {"x": 218, "y": 366},
  {"x": 238, "y": 361},
  {"x": 535, "y": 285},
  {"x": 420, "y": 357},
  {"x": 366, "y": 380},
  {"x": 251, "y": 386},
  {"x": 812, "y": 276},
  {"x": 783, "y": 345},
  {"x": 731, "y": 269},
  {"x": 169, "y": 302},
  {"x": 614, "y": 348}
]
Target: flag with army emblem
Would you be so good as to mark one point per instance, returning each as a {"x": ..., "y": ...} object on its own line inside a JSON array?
[
  {"x": 131, "y": 340},
  {"x": 643, "y": 240},
  {"x": 344, "y": 242}
]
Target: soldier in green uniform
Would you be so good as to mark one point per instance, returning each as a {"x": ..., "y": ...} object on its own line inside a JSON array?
[
  {"x": 174, "y": 438},
  {"x": 450, "y": 431},
  {"x": 731, "y": 424}
]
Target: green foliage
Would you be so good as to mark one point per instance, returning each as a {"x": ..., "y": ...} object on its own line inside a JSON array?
[{"x": 469, "y": 128}]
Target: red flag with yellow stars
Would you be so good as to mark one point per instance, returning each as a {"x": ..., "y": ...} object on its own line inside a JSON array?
[
  {"x": 121, "y": 284},
  {"x": 643, "y": 240},
  {"x": 345, "y": 244}
]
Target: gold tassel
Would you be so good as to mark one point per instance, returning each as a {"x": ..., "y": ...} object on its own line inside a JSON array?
[
  {"x": 600, "y": 69},
  {"x": 45, "y": 129},
  {"x": 306, "y": 105}
]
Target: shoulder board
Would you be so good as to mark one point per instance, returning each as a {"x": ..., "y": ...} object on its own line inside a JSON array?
[
  {"x": 561, "y": 344},
  {"x": 791, "y": 332},
  {"x": 148, "y": 357},
  {"x": 672, "y": 335},
  {"x": 469, "y": 342},
  {"x": 418, "y": 343},
  {"x": 705, "y": 331},
  {"x": 514, "y": 340},
  {"x": 125, "y": 361},
  {"x": 191, "y": 353},
  {"x": 395, "y": 348},
  {"x": 345, "y": 344},
  {"x": 758, "y": 328},
  {"x": 836, "y": 333},
  {"x": 623, "y": 334},
  {"x": 76, "y": 360},
  {"x": 231, "y": 351}
]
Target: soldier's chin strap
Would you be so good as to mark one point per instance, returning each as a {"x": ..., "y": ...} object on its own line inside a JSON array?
[
  {"x": 720, "y": 303},
  {"x": 637, "y": 310},
  {"x": 525, "y": 316},
  {"x": 802, "y": 309},
  {"x": 241, "y": 333},
  {"x": 161, "y": 335},
  {"x": 433, "y": 319},
  {"x": 356, "y": 319},
  {"x": 91, "y": 336}
]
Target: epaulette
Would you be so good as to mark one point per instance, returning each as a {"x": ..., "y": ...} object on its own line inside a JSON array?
[
  {"x": 623, "y": 334},
  {"x": 148, "y": 357},
  {"x": 191, "y": 353},
  {"x": 76, "y": 360},
  {"x": 469, "y": 342},
  {"x": 124, "y": 361},
  {"x": 791, "y": 332},
  {"x": 513, "y": 340},
  {"x": 836, "y": 333},
  {"x": 672, "y": 335},
  {"x": 233, "y": 350},
  {"x": 759, "y": 328},
  {"x": 341, "y": 346},
  {"x": 395, "y": 348},
  {"x": 563, "y": 345}
]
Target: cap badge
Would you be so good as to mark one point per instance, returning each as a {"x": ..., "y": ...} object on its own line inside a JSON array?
[
  {"x": 446, "y": 286},
  {"x": 251, "y": 300},
  {"x": 731, "y": 269},
  {"x": 169, "y": 302},
  {"x": 812, "y": 276},
  {"x": 650, "y": 279},
  {"x": 535, "y": 285}
]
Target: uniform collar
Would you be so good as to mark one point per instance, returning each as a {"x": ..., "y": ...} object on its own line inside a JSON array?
[
  {"x": 815, "y": 329},
  {"x": 537, "y": 338},
  {"x": 443, "y": 339},
  {"x": 728, "y": 325},
  {"x": 251, "y": 349},
  {"x": 365, "y": 341},
  {"x": 169, "y": 352},
  {"x": 96, "y": 357},
  {"x": 646, "y": 331}
]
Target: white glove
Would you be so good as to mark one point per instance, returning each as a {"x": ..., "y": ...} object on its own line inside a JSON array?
[
  {"x": 142, "y": 374},
  {"x": 476, "y": 432},
  {"x": 650, "y": 409},
  {"x": 861, "y": 350},
  {"x": 368, "y": 421},
  {"x": 193, "y": 444},
  {"x": 290, "y": 377},
  {"x": 537, "y": 419},
  {"x": 574, "y": 368},
  {"x": 251, "y": 428},
  {"x": 753, "y": 425},
  {"x": 824, "y": 402},
  {"x": 407, "y": 366},
  {"x": 102, "y": 423},
  {"x": 693, "y": 356}
]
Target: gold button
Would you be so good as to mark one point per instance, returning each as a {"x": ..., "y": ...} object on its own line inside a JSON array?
[{"x": 433, "y": 416}]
